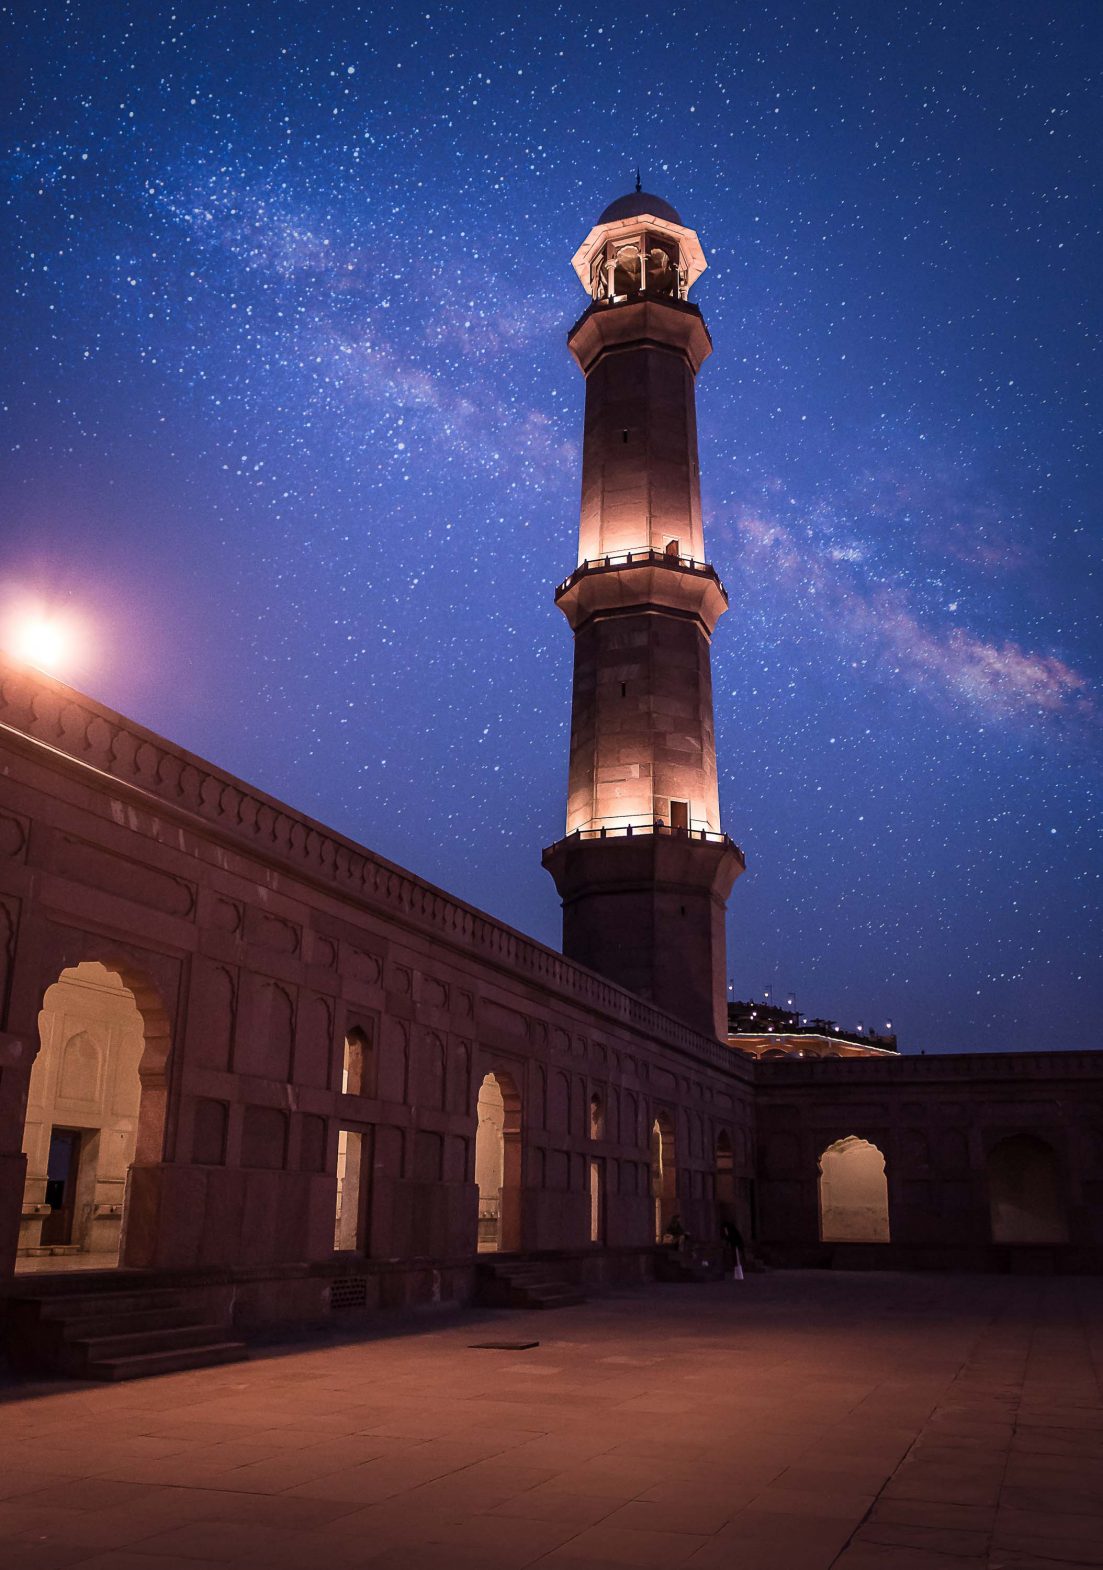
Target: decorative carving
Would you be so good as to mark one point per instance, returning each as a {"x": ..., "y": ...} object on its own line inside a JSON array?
[
  {"x": 272, "y": 932},
  {"x": 325, "y": 952},
  {"x": 281, "y": 1031},
  {"x": 226, "y": 915},
  {"x": 362, "y": 966},
  {"x": 434, "y": 993},
  {"x": 79, "y": 1079},
  {"x": 501, "y": 1021},
  {"x": 217, "y": 1012},
  {"x": 13, "y": 837},
  {"x": 133, "y": 880},
  {"x": 433, "y": 1066}
]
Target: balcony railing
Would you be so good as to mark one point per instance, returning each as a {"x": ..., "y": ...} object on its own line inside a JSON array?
[
  {"x": 641, "y": 558},
  {"x": 658, "y": 828}
]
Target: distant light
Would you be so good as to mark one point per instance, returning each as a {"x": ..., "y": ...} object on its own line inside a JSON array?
[{"x": 42, "y": 641}]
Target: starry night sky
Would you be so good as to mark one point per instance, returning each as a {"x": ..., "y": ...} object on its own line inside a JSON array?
[{"x": 292, "y": 438}]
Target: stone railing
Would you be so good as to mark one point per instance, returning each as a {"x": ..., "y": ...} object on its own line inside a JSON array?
[
  {"x": 976, "y": 1067},
  {"x": 641, "y": 558},
  {"x": 36, "y": 706}
]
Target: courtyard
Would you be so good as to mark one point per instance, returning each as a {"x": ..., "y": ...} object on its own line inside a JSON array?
[{"x": 794, "y": 1421}]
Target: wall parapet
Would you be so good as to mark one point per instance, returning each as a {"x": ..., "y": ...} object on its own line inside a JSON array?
[
  {"x": 77, "y": 730},
  {"x": 896, "y": 1069}
]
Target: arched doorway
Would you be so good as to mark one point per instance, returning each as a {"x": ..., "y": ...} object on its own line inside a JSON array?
[
  {"x": 95, "y": 1107},
  {"x": 854, "y": 1195},
  {"x": 352, "y": 1212},
  {"x": 498, "y": 1163},
  {"x": 1024, "y": 1193},
  {"x": 664, "y": 1177}
]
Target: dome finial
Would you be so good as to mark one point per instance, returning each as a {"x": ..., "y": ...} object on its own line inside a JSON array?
[{"x": 639, "y": 183}]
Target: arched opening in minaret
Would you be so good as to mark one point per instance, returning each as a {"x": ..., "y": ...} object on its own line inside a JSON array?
[
  {"x": 1024, "y": 1193},
  {"x": 664, "y": 1177},
  {"x": 95, "y": 1106},
  {"x": 627, "y": 270},
  {"x": 854, "y": 1196},
  {"x": 498, "y": 1163}
]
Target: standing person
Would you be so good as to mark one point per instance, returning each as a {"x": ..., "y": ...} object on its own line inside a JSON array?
[{"x": 734, "y": 1239}]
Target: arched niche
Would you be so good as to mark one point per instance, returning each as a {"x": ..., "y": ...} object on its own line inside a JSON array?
[
  {"x": 498, "y": 1153},
  {"x": 358, "y": 1063},
  {"x": 597, "y": 1116},
  {"x": 95, "y": 1109},
  {"x": 1024, "y": 1192},
  {"x": 854, "y": 1199},
  {"x": 664, "y": 1174}
]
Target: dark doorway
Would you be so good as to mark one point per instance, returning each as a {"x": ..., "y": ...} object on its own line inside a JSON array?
[
  {"x": 61, "y": 1186},
  {"x": 679, "y": 814},
  {"x": 1024, "y": 1192}
]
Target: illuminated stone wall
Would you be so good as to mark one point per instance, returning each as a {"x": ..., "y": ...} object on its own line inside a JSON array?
[
  {"x": 989, "y": 1159},
  {"x": 255, "y": 942}
]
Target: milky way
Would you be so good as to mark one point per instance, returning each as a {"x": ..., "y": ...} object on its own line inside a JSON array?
[{"x": 293, "y": 436}]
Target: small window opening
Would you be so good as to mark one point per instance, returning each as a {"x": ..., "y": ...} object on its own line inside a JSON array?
[
  {"x": 672, "y": 548},
  {"x": 624, "y": 436},
  {"x": 624, "y": 689},
  {"x": 358, "y": 1067}
]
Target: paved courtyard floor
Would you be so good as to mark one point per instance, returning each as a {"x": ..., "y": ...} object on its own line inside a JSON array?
[{"x": 795, "y": 1421}]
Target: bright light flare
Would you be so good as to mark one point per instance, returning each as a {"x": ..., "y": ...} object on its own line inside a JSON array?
[{"x": 43, "y": 641}]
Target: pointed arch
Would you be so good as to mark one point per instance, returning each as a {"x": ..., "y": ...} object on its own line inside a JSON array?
[
  {"x": 498, "y": 1161},
  {"x": 95, "y": 1114},
  {"x": 664, "y": 1174},
  {"x": 854, "y": 1199}
]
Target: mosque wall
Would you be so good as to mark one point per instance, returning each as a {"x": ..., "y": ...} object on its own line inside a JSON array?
[
  {"x": 992, "y": 1161},
  {"x": 313, "y": 1016},
  {"x": 256, "y": 944}
]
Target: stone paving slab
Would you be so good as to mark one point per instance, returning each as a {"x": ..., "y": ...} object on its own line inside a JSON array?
[{"x": 793, "y": 1421}]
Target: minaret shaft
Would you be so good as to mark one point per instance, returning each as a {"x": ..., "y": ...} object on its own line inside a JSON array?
[
  {"x": 640, "y": 484},
  {"x": 644, "y": 869}
]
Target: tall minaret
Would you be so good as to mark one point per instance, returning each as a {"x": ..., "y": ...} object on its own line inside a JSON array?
[{"x": 644, "y": 870}]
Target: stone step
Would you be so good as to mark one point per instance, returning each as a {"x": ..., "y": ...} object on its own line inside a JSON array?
[
  {"x": 167, "y": 1362},
  {"x": 524, "y": 1283},
  {"x": 72, "y": 1306},
  {"x": 134, "y": 1343},
  {"x": 86, "y": 1327}
]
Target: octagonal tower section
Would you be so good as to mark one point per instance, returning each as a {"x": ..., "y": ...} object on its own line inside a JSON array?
[{"x": 644, "y": 869}]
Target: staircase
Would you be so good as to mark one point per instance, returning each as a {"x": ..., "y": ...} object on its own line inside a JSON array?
[
  {"x": 116, "y": 1334},
  {"x": 524, "y": 1283}
]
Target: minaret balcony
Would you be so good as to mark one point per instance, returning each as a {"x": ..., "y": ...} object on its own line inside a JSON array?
[
  {"x": 641, "y": 580},
  {"x": 647, "y": 855},
  {"x": 656, "y": 827}
]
